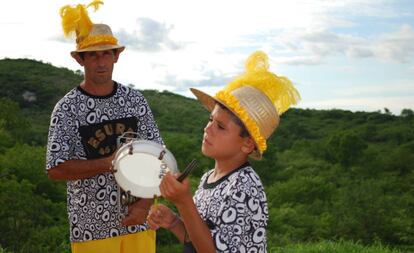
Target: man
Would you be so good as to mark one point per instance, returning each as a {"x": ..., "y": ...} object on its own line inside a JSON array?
[{"x": 83, "y": 131}]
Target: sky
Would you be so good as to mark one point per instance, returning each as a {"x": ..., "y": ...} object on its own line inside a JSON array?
[{"x": 340, "y": 54}]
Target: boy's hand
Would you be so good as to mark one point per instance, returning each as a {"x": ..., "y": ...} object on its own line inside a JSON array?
[
  {"x": 160, "y": 216},
  {"x": 174, "y": 191}
]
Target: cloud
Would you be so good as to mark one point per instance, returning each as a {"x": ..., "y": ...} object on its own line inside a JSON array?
[
  {"x": 360, "y": 52},
  {"x": 401, "y": 87},
  {"x": 61, "y": 38},
  {"x": 395, "y": 103},
  {"x": 300, "y": 60},
  {"x": 209, "y": 79},
  {"x": 366, "y": 8},
  {"x": 311, "y": 47},
  {"x": 149, "y": 36},
  {"x": 325, "y": 43},
  {"x": 397, "y": 46}
]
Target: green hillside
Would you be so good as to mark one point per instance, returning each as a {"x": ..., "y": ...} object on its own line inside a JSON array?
[{"x": 336, "y": 181}]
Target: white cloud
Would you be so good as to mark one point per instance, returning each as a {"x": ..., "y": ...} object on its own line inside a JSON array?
[
  {"x": 389, "y": 88},
  {"x": 149, "y": 35},
  {"x": 366, "y": 8},
  {"x": 300, "y": 60},
  {"x": 394, "y": 95},
  {"x": 181, "y": 84},
  {"x": 313, "y": 46},
  {"x": 397, "y": 46},
  {"x": 176, "y": 44},
  {"x": 360, "y": 51},
  {"x": 395, "y": 104}
]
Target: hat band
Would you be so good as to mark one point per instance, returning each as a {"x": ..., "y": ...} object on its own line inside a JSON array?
[
  {"x": 232, "y": 102},
  {"x": 97, "y": 40}
]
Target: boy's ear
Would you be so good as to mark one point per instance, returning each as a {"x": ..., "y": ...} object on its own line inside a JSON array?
[{"x": 248, "y": 145}]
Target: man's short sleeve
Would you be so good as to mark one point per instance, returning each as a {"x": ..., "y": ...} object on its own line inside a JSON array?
[{"x": 62, "y": 137}]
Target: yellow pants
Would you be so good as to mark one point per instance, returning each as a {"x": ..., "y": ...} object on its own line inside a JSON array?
[{"x": 139, "y": 242}]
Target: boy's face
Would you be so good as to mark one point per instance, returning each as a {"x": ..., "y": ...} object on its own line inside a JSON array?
[{"x": 222, "y": 138}]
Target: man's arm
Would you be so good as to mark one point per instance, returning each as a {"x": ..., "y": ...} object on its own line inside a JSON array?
[{"x": 80, "y": 169}]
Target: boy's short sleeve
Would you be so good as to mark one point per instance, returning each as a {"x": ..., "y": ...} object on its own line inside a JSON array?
[{"x": 243, "y": 217}]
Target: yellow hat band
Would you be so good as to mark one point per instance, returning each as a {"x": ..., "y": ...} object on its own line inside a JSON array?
[
  {"x": 97, "y": 40},
  {"x": 233, "y": 104}
]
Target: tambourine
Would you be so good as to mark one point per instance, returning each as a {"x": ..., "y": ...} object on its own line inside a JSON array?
[{"x": 139, "y": 166}]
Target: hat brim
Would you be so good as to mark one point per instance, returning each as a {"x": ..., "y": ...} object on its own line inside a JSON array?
[
  {"x": 209, "y": 102},
  {"x": 98, "y": 48}
]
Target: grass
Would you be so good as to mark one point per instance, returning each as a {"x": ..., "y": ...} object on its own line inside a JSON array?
[
  {"x": 334, "y": 247},
  {"x": 317, "y": 247}
]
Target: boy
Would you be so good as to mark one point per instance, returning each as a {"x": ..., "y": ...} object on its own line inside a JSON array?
[{"x": 229, "y": 211}]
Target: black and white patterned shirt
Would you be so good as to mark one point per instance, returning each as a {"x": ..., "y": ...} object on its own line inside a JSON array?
[
  {"x": 84, "y": 126},
  {"x": 235, "y": 210}
]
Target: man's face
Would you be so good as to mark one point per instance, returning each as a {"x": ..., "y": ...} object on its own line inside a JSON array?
[{"x": 99, "y": 65}]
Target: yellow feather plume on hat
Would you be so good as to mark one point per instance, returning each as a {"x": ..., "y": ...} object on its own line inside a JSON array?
[
  {"x": 279, "y": 90},
  {"x": 76, "y": 19}
]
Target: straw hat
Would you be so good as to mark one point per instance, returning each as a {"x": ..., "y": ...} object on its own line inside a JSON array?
[
  {"x": 257, "y": 97},
  {"x": 89, "y": 36}
]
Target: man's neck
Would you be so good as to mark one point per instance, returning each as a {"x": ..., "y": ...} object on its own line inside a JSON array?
[{"x": 98, "y": 89}]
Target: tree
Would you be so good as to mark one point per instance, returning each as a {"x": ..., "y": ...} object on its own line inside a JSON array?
[
  {"x": 25, "y": 216},
  {"x": 407, "y": 113},
  {"x": 12, "y": 120},
  {"x": 387, "y": 111},
  {"x": 345, "y": 148}
]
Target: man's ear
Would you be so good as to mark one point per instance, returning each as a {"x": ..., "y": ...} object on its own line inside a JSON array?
[
  {"x": 116, "y": 55},
  {"x": 78, "y": 58},
  {"x": 248, "y": 145}
]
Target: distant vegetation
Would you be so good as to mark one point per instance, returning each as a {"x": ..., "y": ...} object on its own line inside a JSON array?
[{"x": 336, "y": 181}]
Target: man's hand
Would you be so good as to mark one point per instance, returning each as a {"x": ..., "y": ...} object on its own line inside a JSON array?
[{"x": 137, "y": 212}]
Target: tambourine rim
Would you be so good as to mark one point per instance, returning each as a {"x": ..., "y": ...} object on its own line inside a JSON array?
[{"x": 124, "y": 183}]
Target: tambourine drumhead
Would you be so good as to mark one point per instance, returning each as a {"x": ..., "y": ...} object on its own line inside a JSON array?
[{"x": 139, "y": 172}]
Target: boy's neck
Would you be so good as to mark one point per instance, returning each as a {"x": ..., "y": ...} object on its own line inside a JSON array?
[{"x": 224, "y": 167}]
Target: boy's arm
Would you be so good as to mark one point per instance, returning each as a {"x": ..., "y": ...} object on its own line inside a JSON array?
[
  {"x": 180, "y": 195},
  {"x": 197, "y": 230},
  {"x": 160, "y": 216}
]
